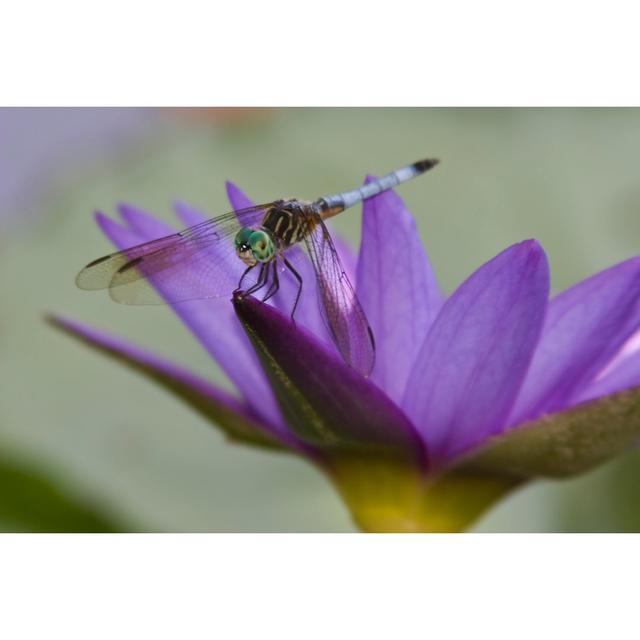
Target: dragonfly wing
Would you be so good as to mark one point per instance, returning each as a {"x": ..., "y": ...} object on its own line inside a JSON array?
[
  {"x": 199, "y": 262},
  {"x": 341, "y": 310}
]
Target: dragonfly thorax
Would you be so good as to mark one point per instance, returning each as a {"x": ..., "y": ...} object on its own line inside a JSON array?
[
  {"x": 290, "y": 221},
  {"x": 253, "y": 246}
]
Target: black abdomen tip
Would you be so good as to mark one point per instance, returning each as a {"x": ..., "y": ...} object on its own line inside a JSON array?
[{"x": 425, "y": 165}]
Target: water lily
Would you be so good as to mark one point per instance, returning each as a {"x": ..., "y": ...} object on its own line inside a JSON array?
[{"x": 472, "y": 395}]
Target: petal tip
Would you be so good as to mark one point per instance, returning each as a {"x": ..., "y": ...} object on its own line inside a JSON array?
[
  {"x": 529, "y": 249},
  {"x": 52, "y": 318},
  {"x": 231, "y": 188},
  {"x": 105, "y": 223},
  {"x": 126, "y": 210},
  {"x": 132, "y": 215},
  {"x": 236, "y": 197},
  {"x": 531, "y": 244},
  {"x": 247, "y": 303},
  {"x": 63, "y": 323},
  {"x": 246, "y": 306},
  {"x": 187, "y": 214}
]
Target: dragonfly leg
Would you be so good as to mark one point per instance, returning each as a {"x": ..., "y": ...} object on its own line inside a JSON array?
[
  {"x": 297, "y": 276},
  {"x": 244, "y": 273},
  {"x": 275, "y": 285},
  {"x": 262, "y": 280}
]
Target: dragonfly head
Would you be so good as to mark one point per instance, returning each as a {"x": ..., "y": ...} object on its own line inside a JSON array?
[{"x": 253, "y": 246}]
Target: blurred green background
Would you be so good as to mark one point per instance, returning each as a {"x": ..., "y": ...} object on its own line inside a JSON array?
[{"x": 86, "y": 444}]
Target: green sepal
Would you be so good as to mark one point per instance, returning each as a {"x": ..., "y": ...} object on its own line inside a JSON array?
[
  {"x": 563, "y": 444},
  {"x": 237, "y": 426}
]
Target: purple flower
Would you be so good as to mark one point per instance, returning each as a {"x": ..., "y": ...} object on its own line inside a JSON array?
[{"x": 471, "y": 395}]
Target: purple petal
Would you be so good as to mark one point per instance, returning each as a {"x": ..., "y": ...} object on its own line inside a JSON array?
[
  {"x": 477, "y": 352},
  {"x": 396, "y": 287},
  {"x": 326, "y": 402},
  {"x": 236, "y": 197},
  {"x": 623, "y": 374},
  {"x": 585, "y": 327},
  {"x": 235, "y": 417},
  {"x": 212, "y": 323},
  {"x": 143, "y": 223},
  {"x": 189, "y": 216}
]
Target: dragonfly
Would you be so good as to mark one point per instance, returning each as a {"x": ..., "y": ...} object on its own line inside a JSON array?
[{"x": 254, "y": 245}]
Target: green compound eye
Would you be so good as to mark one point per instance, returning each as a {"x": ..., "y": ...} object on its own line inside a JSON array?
[
  {"x": 242, "y": 237},
  {"x": 261, "y": 246}
]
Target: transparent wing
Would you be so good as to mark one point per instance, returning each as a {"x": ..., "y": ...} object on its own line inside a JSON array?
[
  {"x": 198, "y": 262},
  {"x": 341, "y": 310}
]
